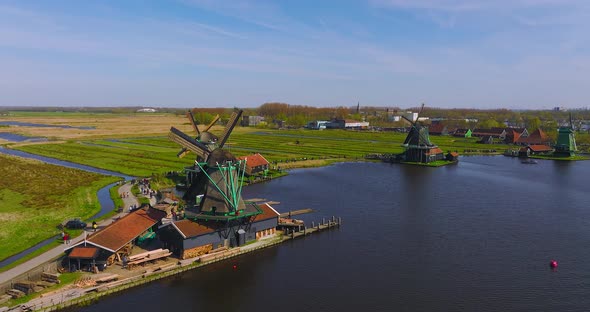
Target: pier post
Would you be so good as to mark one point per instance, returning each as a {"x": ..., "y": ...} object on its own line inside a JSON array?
[
  {"x": 304, "y": 230},
  {"x": 312, "y": 224},
  {"x": 323, "y": 220},
  {"x": 318, "y": 226},
  {"x": 339, "y": 221}
]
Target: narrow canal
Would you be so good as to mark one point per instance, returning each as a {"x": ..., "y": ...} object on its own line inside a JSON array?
[
  {"x": 104, "y": 197},
  {"x": 477, "y": 236}
]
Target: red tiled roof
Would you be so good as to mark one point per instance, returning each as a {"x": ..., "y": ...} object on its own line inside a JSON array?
[
  {"x": 188, "y": 228},
  {"x": 118, "y": 234},
  {"x": 83, "y": 252},
  {"x": 434, "y": 151},
  {"x": 535, "y": 138},
  {"x": 436, "y": 128},
  {"x": 512, "y": 135},
  {"x": 254, "y": 160},
  {"x": 540, "y": 148},
  {"x": 268, "y": 212},
  {"x": 454, "y": 154}
]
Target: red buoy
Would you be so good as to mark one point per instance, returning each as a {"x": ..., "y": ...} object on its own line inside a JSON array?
[
  {"x": 553, "y": 264},
  {"x": 235, "y": 266}
]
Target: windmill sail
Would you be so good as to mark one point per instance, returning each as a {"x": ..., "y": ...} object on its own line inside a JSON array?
[
  {"x": 190, "y": 117},
  {"x": 189, "y": 143},
  {"x": 215, "y": 119},
  {"x": 233, "y": 121}
]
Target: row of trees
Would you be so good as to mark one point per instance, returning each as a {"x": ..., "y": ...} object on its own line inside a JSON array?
[{"x": 300, "y": 115}]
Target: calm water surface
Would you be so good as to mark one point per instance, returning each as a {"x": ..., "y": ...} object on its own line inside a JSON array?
[{"x": 477, "y": 236}]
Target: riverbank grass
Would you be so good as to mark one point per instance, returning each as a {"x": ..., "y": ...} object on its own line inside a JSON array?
[
  {"x": 438, "y": 163},
  {"x": 35, "y": 197},
  {"x": 551, "y": 157}
]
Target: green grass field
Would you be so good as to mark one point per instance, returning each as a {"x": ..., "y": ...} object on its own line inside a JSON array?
[
  {"x": 147, "y": 156},
  {"x": 35, "y": 197}
]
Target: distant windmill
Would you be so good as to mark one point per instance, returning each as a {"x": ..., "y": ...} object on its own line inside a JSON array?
[
  {"x": 417, "y": 145},
  {"x": 566, "y": 141}
]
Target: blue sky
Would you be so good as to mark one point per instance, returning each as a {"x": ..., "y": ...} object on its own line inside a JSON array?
[{"x": 209, "y": 53}]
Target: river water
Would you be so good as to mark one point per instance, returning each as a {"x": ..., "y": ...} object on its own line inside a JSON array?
[{"x": 476, "y": 236}]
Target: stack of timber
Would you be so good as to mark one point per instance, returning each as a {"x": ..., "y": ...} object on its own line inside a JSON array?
[
  {"x": 85, "y": 282},
  {"x": 15, "y": 293},
  {"x": 159, "y": 268},
  {"x": 107, "y": 278},
  {"x": 27, "y": 287},
  {"x": 5, "y": 298},
  {"x": 219, "y": 254},
  {"x": 50, "y": 277},
  {"x": 147, "y": 256}
]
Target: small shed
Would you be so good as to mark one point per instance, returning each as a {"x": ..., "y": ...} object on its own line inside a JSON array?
[{"x": 452, "y": 156}]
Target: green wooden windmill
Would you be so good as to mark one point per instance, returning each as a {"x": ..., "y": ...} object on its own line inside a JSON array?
[
  {"x": 566, "y": 141},
  {"x": 417, "y": 145},
  {"x": 214, "y": 181}
]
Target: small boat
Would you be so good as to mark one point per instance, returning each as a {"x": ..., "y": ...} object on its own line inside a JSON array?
[{"x": 529, "y": 161}]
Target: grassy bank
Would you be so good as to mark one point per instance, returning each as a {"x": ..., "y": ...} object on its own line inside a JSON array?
[
  {"x": 35, "y": 197},
  {"x": 573, "y": 158}
]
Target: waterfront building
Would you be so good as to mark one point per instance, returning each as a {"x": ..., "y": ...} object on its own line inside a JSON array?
[{"x": 192, "y": 238}]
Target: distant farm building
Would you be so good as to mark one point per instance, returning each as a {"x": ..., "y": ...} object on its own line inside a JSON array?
[
  {"x": 438, "y": 129},
  {"x": 255, "y": 163},
  {"x": 496, "y": 133},
  {"x": 537, "y": 137},
  {"x": 511, "y": 136},
  {"x": 251, "y": 121},
  {"x": 463, "y": 133},
  {"x": 347, "y": 124},
  {"x": 318, "y": 124},
  {"x": 188, "y": 239},
  {"x": 146, "y": 110}
]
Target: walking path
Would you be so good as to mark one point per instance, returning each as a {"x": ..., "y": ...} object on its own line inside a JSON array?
[
  {"x": 130, "y": 200},
  {"x": 58, "y": 251}
]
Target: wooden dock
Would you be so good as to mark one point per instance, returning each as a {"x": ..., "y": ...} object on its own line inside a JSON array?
[
  {"x": 295, "y": 212},
  {"x": 294, "y": 230}
]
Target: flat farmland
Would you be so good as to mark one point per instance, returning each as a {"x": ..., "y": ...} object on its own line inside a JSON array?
[
  {"x": 137, "y": 144},
  {"x": 35, "y": 197}
]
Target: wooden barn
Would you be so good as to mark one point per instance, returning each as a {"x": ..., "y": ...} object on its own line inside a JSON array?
[{"x": 114, "y": 241}]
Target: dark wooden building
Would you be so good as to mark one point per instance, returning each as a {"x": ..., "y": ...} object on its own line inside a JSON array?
[{"x": 193, "y": 238}]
